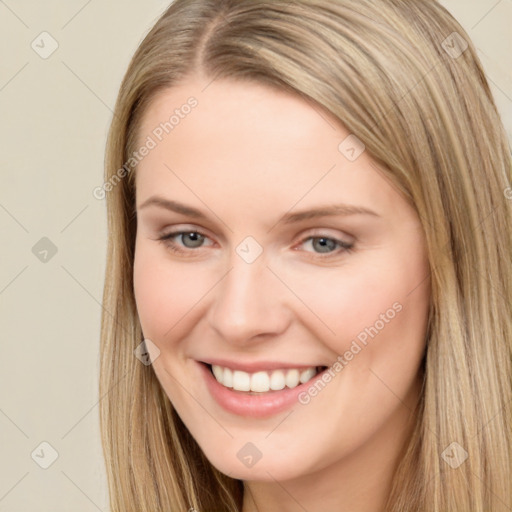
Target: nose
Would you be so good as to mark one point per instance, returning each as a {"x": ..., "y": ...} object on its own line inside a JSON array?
[{"x": 249, "y": 303}]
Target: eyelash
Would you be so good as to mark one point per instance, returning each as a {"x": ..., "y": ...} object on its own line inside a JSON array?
[{"x": 166, "y": 239}]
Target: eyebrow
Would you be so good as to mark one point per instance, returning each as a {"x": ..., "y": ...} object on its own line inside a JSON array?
[{"x": 288, "y": 218}]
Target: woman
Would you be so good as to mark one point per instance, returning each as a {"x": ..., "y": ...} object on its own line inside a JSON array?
[{"x": 309, "y": 283}]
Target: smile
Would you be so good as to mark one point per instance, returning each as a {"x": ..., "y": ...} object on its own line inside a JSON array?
[
  {"x": 256, "y": 389},
  {"x": 263, "y": 381}
]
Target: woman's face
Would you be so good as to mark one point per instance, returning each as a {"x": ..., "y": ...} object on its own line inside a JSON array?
[{"x": 287, "y": 252}]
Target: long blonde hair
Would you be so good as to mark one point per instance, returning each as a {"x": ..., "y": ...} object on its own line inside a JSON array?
[{"x": 404, "y": 77}]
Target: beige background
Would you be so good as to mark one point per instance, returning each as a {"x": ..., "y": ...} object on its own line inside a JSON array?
[{"x": 55, "y": 115}]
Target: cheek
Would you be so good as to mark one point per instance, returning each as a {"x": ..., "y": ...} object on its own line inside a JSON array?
[
  {"x": 165, "y": 295},
  {"x": 164, "y": 292},
  {"x": 381, "y": 309}
]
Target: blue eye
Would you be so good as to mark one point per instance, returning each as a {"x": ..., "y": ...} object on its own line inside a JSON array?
[
  {"x": 195, "y": 239},
  {"x": 189, "y": 239},
  {"x": 325, "y": 245}
]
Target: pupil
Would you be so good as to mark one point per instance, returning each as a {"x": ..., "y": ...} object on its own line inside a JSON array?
[
  {"x": 196, "y": 239},
  {"x": 325, "y": 243}
]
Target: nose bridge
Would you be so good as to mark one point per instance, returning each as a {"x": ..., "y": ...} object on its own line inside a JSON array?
[{"x": 248, "y": 301}]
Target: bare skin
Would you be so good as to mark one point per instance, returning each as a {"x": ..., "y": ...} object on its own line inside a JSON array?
[{"x": 245, "y": 156}]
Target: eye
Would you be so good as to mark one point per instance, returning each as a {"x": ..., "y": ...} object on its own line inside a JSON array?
[
  {"x": 327, "y": 245},
  {"x": 189, "y": 240}
]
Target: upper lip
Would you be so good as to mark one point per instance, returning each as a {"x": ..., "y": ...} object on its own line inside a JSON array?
[{"x": 256, "y": 366}]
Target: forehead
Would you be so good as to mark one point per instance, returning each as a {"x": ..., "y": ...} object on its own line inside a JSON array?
[
  {"x": 249, "y": 141},
  {"x": 240, "y": 109}
]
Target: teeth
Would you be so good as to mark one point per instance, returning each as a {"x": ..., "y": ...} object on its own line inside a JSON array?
[
  {"x": 241, "y": 381},
  {"x": 218, "y": 372},
  {"x": 228, "y": 378},
  {"x": 261, "y": 382},
  {"x": 292, "y": 378},
  {"x": 307, "y": 375},
  {"x": 277, "y": 380}
]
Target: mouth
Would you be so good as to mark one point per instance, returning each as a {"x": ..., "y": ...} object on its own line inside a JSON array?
[
  {"x": 258, "y": 389},
  {"x": 263, "y": 382}
]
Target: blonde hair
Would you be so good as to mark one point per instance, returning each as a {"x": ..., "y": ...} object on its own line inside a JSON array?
[{"x": 395, "y": 75}]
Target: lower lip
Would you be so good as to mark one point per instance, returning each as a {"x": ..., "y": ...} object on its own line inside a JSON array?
[{"x": 254, "y": 406}]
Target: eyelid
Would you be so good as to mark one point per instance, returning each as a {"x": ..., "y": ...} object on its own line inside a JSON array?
[
  {"x": 306, "y": 234},
  {"x": 183, "y": 228},
  {"x": 326, "y": 233},
  {"x": 167, "y": 236}
]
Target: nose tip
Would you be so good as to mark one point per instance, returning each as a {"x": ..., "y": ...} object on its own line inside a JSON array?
[{"x": 248, "y": 303}]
